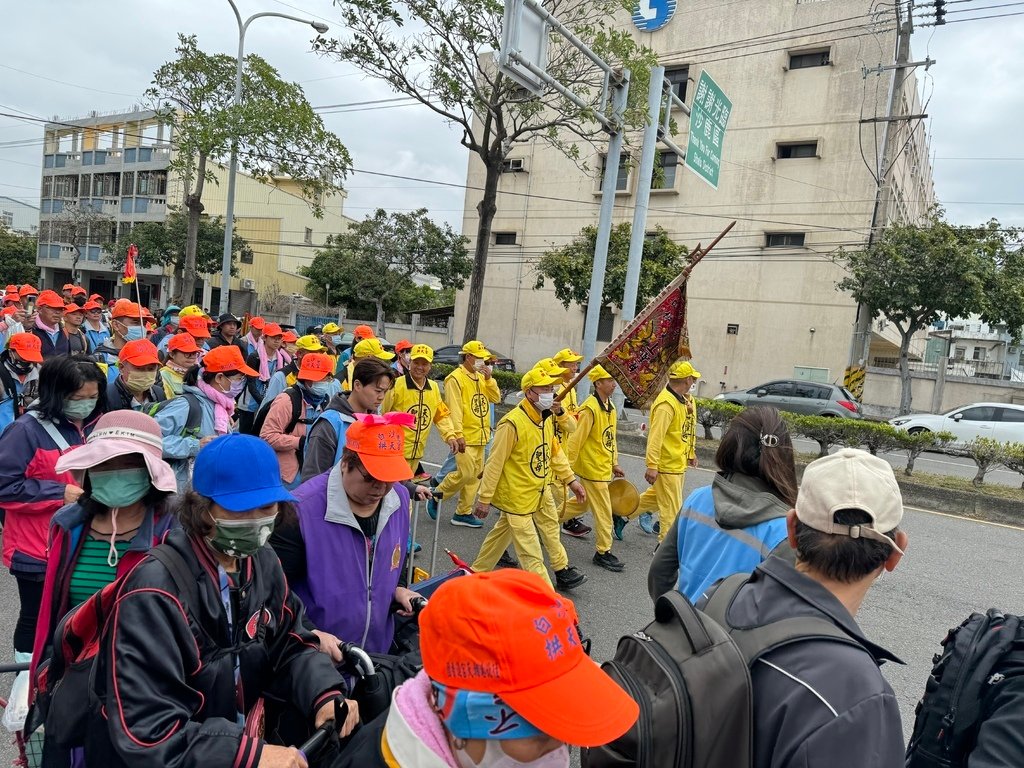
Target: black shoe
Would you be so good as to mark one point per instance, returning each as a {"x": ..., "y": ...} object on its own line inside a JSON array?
[
  {"x": 608, "y": 561},
  {"x": 569, "y": 578},
  {"x": 576, "y": 528},
  {"x": 507, "y": 561}
]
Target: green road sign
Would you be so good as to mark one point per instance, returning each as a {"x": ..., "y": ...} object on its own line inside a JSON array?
[{"x": 709, "y": 116}]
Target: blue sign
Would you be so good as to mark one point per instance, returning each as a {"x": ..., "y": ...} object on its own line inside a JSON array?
[{"x": 651, "y": 15}]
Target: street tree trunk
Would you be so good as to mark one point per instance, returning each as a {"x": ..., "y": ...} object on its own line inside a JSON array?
[
  {"x": 906, "y": 385},
  {"x": 194, "y": 206},
  {"x": 380, "y": 316},
  {"x": 486, "y": 209}
]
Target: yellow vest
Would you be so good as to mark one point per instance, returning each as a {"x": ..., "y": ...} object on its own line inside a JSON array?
[
  {"x": 424, "y": 404},
  {"x": 565, "y": 425},
  {"x": 596, "y": 453},
  {"x": 346, "y": 383},
  {"x": 526, "y": 472},
  {"x": 470, "y": 403},
  {"x": 680, "y": 440}
]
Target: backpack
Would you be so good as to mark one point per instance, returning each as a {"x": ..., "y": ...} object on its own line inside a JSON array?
[
  {"x": 194, "y": 420},
  {"x": 66, "y": 700},
  {"x": 950, "y": 711},
  {"x": 296, "y": 417},
  {"x": 689, "y": 671}
]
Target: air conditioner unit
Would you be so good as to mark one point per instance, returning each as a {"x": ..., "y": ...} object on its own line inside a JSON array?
[{"x": 248, "y": 284}]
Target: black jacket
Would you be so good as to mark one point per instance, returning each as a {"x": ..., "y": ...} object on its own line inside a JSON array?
[
  {"x": 190, "y": 719},
  {"x": 816, "y": 703},
  {"x": 120, "y": 398},
  {"x": 51, "y": 349},
  {"x": 216, "y": 340},
  {"x": 1000, "y": 741}
]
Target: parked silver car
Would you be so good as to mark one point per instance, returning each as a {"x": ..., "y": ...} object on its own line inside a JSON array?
[{"x": 806, "y": 397}]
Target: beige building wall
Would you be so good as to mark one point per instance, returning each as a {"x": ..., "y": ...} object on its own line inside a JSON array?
[{"x": 783, "y": 299}]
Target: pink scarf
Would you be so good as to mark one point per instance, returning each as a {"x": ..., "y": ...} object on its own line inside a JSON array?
[
  {"x": 261, "y": 350},
  {"x": 413, "y": 700},
  {"x": 223, "y": 406},
  {"x": 41, "y": 326}
]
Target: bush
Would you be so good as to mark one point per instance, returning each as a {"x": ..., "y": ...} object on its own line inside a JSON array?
[
  {"x": 987, "y": 454},
  {"x": 715, "y": 413},
  {"x": 1014, "y": 459},
  {"x": 874, "y": 436},
  {"x": 919, "y": 442},
  {"x": 826, "y": 431}
]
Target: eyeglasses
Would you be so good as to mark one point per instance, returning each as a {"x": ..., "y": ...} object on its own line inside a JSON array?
[{"x": 370, "y": 479}]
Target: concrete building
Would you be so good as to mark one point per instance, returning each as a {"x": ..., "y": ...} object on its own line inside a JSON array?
[
  {"x": 135, "y": 184},
  {"x": 764, "y": 303},
  {"x": 18, "y": 216}
]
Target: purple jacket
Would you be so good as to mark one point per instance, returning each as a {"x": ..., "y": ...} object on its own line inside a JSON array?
[{"x": 350, "y": 582}]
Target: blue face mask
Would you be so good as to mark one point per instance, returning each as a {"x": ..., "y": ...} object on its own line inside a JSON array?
[
  {"x": 336, "y": 340},
  {"x": 173, "y": 321},
  {"x": 320, "y": 389},
  {"x": 134, "y": 333}
]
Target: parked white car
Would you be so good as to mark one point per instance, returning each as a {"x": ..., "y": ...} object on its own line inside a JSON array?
[{"x": 1000, "y": 421}]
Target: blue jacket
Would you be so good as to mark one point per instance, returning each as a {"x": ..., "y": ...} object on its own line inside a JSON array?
[
  {"x": 728, "y": 527},
  {"x": 181, "y": 448}
]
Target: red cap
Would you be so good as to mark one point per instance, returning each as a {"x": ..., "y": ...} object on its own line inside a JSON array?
[
  {"x": 315, "y": 367},
  {"x": 28, "y": 290},
  {"x": 364, "y": 332},
  {"x": 507, "y": 633},
  {"x": 139, "y": 352},
  {"x": 403, "y": 345},
  {"x": 380, "y": 443},
  {"x": 257, "y": 322},
  {"x": 225, "y": 359},
  {"x": 289, "y": 337},
  {"x": 50, "y": 299},
  {"x": 195, "y": 326},
  {"x": 11, "y": 288},
  {"x": 272, "y": 329},
  {"x": 91, "y": 305},
  {"x": 183, "y": 342},
  {"x": 125, "y": 308},
  {"x": 28, "y": 345},
  {"x": 72, "y": 307}
]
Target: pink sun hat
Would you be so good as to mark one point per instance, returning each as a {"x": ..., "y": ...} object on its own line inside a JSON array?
[{"x": 122, "y": 433}]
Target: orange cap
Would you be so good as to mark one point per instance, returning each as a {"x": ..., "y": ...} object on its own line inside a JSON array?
[
  {"x": 139, "y": 352},
  {"x": 315, "y": 367},
  {"x": 91, "y": 305},
  {"x": 258, "y": 323},
  {"x": 8, "y": 311},
  {"x": 125, "y": 308},
  {"x": 14, "y": 298},
  {"x": 50, "y": 299},
  {"x": 28, "y": 290},
  {"x": 195, "y": 326},
  {"x": 11, "y": 288},
  {"x": 96, "y": 297},
  {"x": 78, "y": 290},
  {"x": 380, "y": 443},
  {"x": 507, "y": 633},
  {"x": 272, "y": 329},
  {"x": 68, "y": 308},
  {"x": 403, "y": 345},
  {"x": 28, "y": 346},
  {"x": 289, "y": 337},
  {"x": 364, "y": 332},
  {"x": 226, "y": 359},
  {"x": 67, "y": 287},
  {"x": 182, "y": 342}
]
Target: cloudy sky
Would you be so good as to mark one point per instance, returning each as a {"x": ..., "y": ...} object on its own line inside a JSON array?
[{"x": 63, "y": 58}]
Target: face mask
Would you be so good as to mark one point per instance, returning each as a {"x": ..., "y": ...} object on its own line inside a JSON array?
[
  {"x": 76, "y": 410},
  {"x": 336, "y": 341},
  {"x": 22, "y": 367},
  {"x": 236, "y": 387},
  {"x": 139, "y": 381},
  {"x": 241, "y": 538},
  {"x": 173, "y": 321},
  {"x": 545, "y": 401},
  {"x": 321, "y": 389},
  {"x": 134, "y": 333},
  {"x": 119, "y": 487},
  {"x": 495, "y": 757}
]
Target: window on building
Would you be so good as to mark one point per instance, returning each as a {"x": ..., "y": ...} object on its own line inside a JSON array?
[
  {"x": 513, "y": 165},
  {"x": 246, "y": 255},
  {"x": 732, "y": 329},
  {"x": 605, "y": 324},
  {"x": 978, "y": 354},
  {"x": 307, "y": 238},
  {"x": 7, "y": 219},
  {"x": 665, "y": 171},
  {"x": 622, "y": 182},
  {"x": 679, "y": 77},
  {"x": 106, "y": 184},
  {"x": 152, "y": 183},
  {"x": 807, "y": 59},
  {"x": 47, "y": 186},
  {"x": 504, "y": 238},
  {"x": 65, "y": 186},
  {"x": 784, "y": 239},
  {"x": 793, "y": 150}
]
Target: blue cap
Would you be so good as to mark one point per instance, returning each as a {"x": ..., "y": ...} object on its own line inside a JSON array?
[{"x": 240, "y": 473}]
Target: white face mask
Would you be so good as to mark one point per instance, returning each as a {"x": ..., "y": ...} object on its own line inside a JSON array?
[
  {"x": 495, "y": 757},
  {"x": 545, "y": 401}
]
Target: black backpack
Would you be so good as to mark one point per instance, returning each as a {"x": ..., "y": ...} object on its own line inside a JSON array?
[
  {"x": 264, "y": 409},
  {"x": 194, "y": 419},
  {"x": 950, "y": 712},
  {"x": 689, "y": 671}
]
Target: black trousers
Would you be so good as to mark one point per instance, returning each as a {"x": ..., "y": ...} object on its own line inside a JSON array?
[{"x": 30, "y": 592}]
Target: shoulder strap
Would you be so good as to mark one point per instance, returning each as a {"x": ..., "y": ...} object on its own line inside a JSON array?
[
  {"x": 184, "y": 580},
  {"x": 296, "y": 397},
  {"x": 755, "y": 642},
  {"x": 51, "y": 429},
  {"x": 194, "y": 420}
]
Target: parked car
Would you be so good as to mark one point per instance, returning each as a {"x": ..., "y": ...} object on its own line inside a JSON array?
[
  {"x": 449, "y": 355},
  {"x": 806, "y": 397},
  {"x": 1000, "y": 421}
]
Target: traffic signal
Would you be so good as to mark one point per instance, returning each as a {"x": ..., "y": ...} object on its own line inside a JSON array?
[{"x": 940, "y": 12}]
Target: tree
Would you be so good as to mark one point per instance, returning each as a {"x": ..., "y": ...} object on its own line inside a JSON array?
[
  {"x": 165, "y": 243},
  {"x": 915, "y": 275},
  {"x": 448, "y": 65},
  {"x": 373, "y": 263},
  {"x": 570, "y": 268},
  {"x": 17, "y": 258},
  {"x": 79, "y": 225},
  {"x": 276, "y": 131}
]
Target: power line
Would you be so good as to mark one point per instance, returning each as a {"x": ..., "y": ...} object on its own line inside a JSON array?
[{"x": 70, "y": 85}]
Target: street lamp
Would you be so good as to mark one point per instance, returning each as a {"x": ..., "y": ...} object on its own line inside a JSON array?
[{"x": 229, "y": 223}]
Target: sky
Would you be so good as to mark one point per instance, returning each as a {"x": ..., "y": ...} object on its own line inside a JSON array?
[{"x": 62, "y": 58}]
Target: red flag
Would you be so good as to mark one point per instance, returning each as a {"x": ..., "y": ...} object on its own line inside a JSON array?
[{"x": 129, "y": 265}]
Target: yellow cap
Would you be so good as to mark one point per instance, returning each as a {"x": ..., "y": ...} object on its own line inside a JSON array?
[
  {"x": 535, "y": 377},
  {"x": 550, "y": 367},
  {"x": 597, "y": 373},
  {"x": 682, "y": 369},
  {"x": 333, "y": 328},
  {"x": 310, "y": 343},
  {"x": 567, "y": 356},
  {"x": 192, "y": 310},
  {"x": 422, "y": 351},
  {"x": 371, "y": 348},
  {"x": 476, "y": 349}
]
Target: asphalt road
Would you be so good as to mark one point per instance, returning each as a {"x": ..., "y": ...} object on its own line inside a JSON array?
[{"x": 953, "y": 566}]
